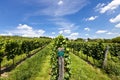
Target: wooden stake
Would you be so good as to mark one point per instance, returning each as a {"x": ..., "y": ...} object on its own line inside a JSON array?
[
  {"x": 105, "y": 58},
  {"x": 61, "y": 68}
]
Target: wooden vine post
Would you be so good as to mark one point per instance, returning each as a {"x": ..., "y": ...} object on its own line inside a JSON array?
[
  {"x": 60, "y": 59},
  {"x": 61, "y": 63},
  {"x": 105, "y": 58}
]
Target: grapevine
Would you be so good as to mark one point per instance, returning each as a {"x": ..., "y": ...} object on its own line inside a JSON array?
[{"x": 60, "y": 41}]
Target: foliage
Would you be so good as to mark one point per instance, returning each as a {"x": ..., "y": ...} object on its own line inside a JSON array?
[
  {"x": 60, "y": 41},
  {"x": 31, "y": 67},
  {"x": 12, "y": 48},
  {"x": 96, "y": 50},
  {"x": 115, "y": 49},
  {"x": 116, "y": 40}
]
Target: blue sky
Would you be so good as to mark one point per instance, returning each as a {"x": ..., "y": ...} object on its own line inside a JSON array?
[{"x": 72, "y": 18}]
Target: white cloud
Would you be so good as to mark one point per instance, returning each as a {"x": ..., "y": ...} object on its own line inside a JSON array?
[
  {"x": 116, "y": 19},
  {"x": 65, "y": 27},
  {"x": 101, "y": 31},
  {"x": 7, "y": 34},
  {"x": 24, "y": 26},
  {"x": 114, "y": 4},
  {"x": 32, "y": 33},
  {"x": 64, "y": 24},
  {"x": 87, "y": 29},
  {"x": 118, "y": 25},
  {"x": 67, "y": 31},
  {"x": 111, "y": 33},
  {"x": 40, "y": 31},
  {"x": 60, "y": 32},
  {"x": 73, "y": 35},
  {"x": 58, "y": 8},
  {"x": 52, "y": 36},
  {"x": 60, "y": 2},
  {"x": 91, "y": 18},
  {"x": 99, "y": 5},
  {"x": 25, "y": 31},
  {"x": 53, "y": 32},
  {"x": 86, "y": 34}
]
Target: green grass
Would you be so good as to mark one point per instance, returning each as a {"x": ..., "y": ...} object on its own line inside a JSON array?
[
  {"x": 6, "y": 63},
  {"x": 38, "y": 68},
  {"x": 81, "y": 70},
  {"x": 30, "y": 68},
  {"x": 44, "y": 74},
  {"x": 113, "y": 65}
]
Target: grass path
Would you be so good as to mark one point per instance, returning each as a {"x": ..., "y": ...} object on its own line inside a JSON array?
[
  {"x": 44, "y": 74},
  {"x": 81, "y": 70},
  {"x": 35, "y": 68}
]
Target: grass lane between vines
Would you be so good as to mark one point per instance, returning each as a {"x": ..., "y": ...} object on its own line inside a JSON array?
[
  {"x": 30, "y": 68},
  {"x": 81, "y": 70}
]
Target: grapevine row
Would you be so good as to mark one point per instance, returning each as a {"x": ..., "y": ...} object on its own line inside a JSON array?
[
  {"x": 104, "y": 55},
  {"x": 11, "y": 48},
  {"x": 96, "y": 50},
  {"x": 60, "y": 41}
]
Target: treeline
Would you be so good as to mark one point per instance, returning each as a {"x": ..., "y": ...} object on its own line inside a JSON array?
[{"x": 113, "y": 40}]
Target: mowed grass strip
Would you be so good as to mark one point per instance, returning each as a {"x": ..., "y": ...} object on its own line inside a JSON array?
[
  {"x": 44, "y": 74},
  {"x": 29, "y": 68},
  {"x": 81, "y": 70}
]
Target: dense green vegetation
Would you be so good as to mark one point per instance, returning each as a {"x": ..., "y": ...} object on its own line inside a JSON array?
[
  {"x": 30, "y": 69},
  {"x": 60, "y": 41},
  {"x": 114, "y": 40},
  {"x": 12, "y": 47},
  {"x": 103, "y": 55},
  {"x": 92, "y": 59},
  {"x": 81, "y": 70}
]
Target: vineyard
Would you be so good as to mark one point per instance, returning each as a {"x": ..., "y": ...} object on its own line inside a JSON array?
[
  {"x": 102, "y": 55},
  {"x": 37, "y": 59}
]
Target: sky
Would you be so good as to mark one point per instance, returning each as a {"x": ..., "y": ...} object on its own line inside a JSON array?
[{"x": 72, "y": 18}]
